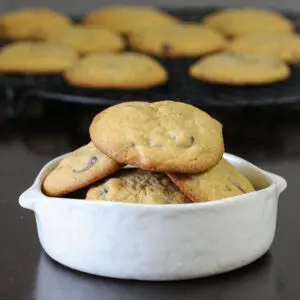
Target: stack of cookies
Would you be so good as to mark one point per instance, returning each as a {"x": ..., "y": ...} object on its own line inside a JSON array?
[
  {"x": 155, "y": 153},
  {"x": 235, "y": 46}
]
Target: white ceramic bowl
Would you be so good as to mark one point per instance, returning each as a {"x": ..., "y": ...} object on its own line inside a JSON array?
[{"x": 158, "y": 242}]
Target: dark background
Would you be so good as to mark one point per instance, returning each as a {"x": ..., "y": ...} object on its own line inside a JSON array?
[{"x": 79, "y": 6}]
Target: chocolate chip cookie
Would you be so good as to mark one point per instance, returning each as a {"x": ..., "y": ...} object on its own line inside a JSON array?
[
  {"x": 222, "y": 181},
  {"x": 283, "y": 46},
  {"x": 239, "y": 69},
  {"x": 235, "y": 22},
  {"x": 117, "y": 71},
  {"x": 138, "y": 186},
  {"x": 80, "y": 168},
  {"x": 36, "y": 57},
  {"x": 87, "y": 40},
  {"x": 32, "y": 23},
  {"x": 126, "y": 18},
  {"x": 180, "y": 40},
  {"x": 163, "y": 136}
]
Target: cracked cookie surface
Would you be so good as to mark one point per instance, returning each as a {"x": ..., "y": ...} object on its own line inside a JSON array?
[
  {"x": 163, "y": 136},
  {"x": 222, "y": 181},
  {"x": 138, "y": 186},
  {"x": 79, "y": 169}
]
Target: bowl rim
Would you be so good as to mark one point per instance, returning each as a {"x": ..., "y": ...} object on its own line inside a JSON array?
[{"x": 35, "y": 191}]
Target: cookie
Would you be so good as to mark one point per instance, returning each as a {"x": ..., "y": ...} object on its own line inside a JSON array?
[
  {"x": 284, "y": 46},
  {"x": 235, "y": 22},
  {"x": 117, "y": 71},
  {"x": 187, "y": 39},
  {"x": 138, "y": 186},
  {"x": 80, "y": 168},
  {"x": 36, "y": 57},
  {"x": 88, "y": 40},
  {"x": 222, "y": 181},
  {"x": 239, "y": 69},
  {"x": 163, "y": 136},
  {"x": 126, "y": 18},
  {"x": 32, "y": 23}
]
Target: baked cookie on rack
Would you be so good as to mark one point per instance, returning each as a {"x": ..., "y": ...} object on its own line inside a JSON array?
[
  {"x": 87, "y": 40},
  {"x": 126, "y": 18},
  {"x": 36, "y": 58},
  {"x": 235, "y": 22},
  {"x": 117, "y": 71},
  {"x": 239, "y": 69},
  {"x": 185, "y": 39},
  {"x": 284, "y": 46},
  {"x": 32, "y": 23}
]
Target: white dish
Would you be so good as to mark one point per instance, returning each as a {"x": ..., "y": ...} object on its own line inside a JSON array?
[{"x": 158, "y": 242}]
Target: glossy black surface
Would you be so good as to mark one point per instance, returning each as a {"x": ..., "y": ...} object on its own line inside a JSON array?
[{"x": 267, "y": 137}]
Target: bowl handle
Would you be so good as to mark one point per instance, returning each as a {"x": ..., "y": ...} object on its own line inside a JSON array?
[
  {"x": 28, "y": 199},
  {"x": 280, "y": 183}
]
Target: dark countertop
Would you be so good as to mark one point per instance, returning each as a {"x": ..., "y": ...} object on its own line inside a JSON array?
[{"x": 267, "y": 137}]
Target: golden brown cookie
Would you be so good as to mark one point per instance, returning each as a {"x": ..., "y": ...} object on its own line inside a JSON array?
[
  {"x": 80, "y": 168},
  {"x": 244, "y": 21},
  {"x": 36, "y": 57},
  {"x": 186, "y": 39},
  {"x": 222, "y": 181},
  {"x": 117, "y": 71},
  {"x": 239, "y": 69},
  {"x": 88, "y": 40},
  {"x": 164, "y": 136},
  {"x": 126, "y": 18},
  {"x": 138, "y": 186},
  {"x": 32, "y": 23},
  {"x": 284, "y": 46}
]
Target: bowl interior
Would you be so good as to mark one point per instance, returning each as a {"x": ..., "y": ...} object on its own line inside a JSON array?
[{"x": 256, "y": 176}]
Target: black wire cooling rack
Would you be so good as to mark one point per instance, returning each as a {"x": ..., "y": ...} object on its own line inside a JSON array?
[{"x": 179, "y": 87}]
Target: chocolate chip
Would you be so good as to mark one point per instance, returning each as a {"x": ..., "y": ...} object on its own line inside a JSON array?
[
  {"x": 239, "y": 187},
  {"x": 130, "y": 145},
  {"x": 92, "y": 161},
  {"x": 192, "y": 140},
  {"x": 167, "y": 49},
  {"x": 228, "y": 188},
  {"x": 104, "y": 192}
]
